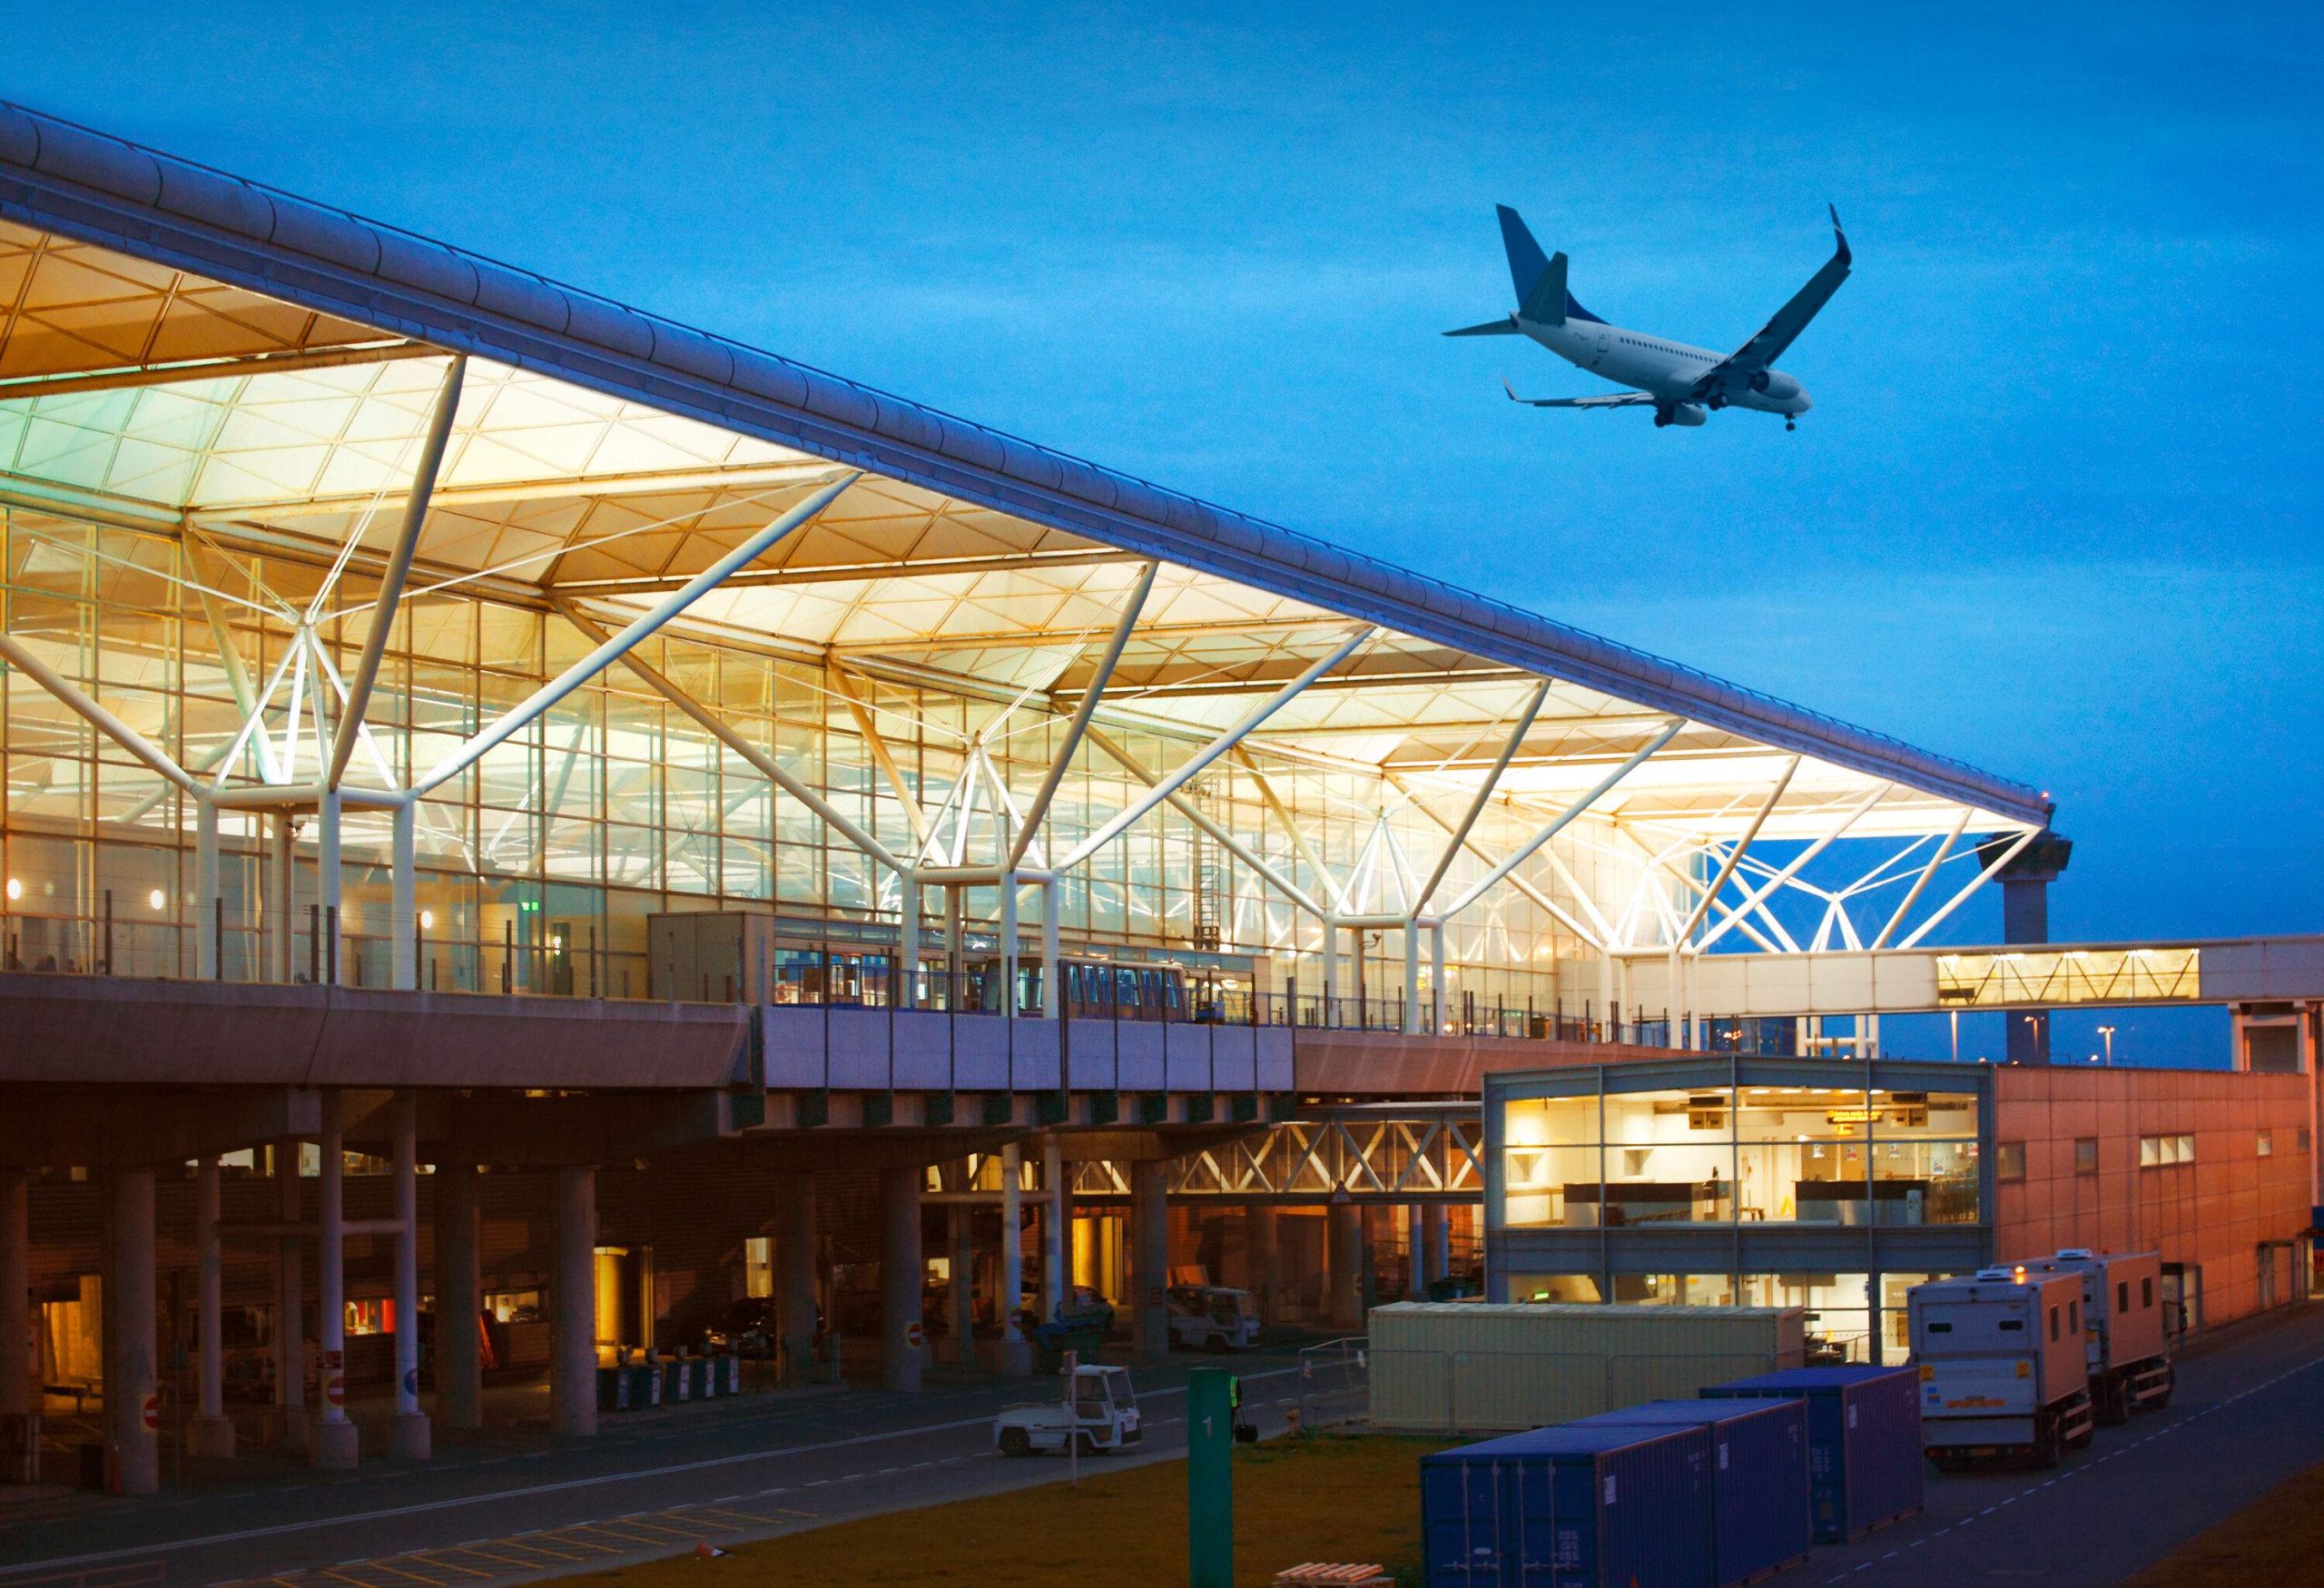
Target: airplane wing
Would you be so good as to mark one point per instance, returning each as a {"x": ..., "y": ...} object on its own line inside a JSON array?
[
  {"x": 1789, "y": 321},
  {"x": 1612, "y": 399}
]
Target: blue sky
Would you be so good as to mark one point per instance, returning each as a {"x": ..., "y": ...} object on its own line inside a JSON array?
[{"x": 2056, "y": 511}]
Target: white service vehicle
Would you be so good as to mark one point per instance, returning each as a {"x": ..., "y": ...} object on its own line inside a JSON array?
[
  {"x": 2122, "y": 1325},
  {"x": 2003, "y": 1366},
  {"x": 1103, "y": 1416},
  {"x": 1212, "y": 1317}
]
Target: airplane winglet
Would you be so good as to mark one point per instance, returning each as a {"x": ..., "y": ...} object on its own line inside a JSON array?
[
  {"x": 1505, "y": 386},
  {"x": 1838, "y": 235}
]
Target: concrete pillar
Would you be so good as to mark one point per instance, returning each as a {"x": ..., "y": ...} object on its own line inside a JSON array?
[
  {"x": 962, "y": 1292},
  {"x": 1343, "y": 1237},
  {"x": 204, "y": 913},
  {"x": 1415, "y": 1274},
  {"x": 332, "y": 1442},
  {"x": 211, "y": 1434},
  {"x": 573, "y": 1341},
  {"x": 1267, "y": 1258},
  {"x": 1435, "y": 1242},
  {"x": 289, "y": 1300},
  {"x": 1055, "y": 1277},
  {"x": 1016, "y": 1354},
  {"x": 794, "y": 1244},
  {"x": 329, "y": 877},
  {"x": 1150, "y": 1262},
  {"x": 408, "y": 1436},
  {"x": 904, "y": 975},
  {"x": 132, "y": 1445},
  {"x": 1052, "y": 979},
  {"x": 902, "y": 1275},
  {"x": 459, "y": 1298},
  {"x": 403, "y": 910},
  {"x": 19, "y": 1397}
]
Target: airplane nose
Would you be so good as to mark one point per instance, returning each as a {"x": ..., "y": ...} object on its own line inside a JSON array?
[{"x": 1805, "y": 401}]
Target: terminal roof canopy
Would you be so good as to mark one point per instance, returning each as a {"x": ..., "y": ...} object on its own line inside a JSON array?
[{"x": 241, "y": 371}]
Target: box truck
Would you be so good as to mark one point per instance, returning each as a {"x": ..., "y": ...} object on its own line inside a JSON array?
[
  {"x": 2122, "y": 1327},
  {"x": 2004, "y": 1372}
]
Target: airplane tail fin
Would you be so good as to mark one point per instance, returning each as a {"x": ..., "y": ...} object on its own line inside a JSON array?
[{"x": 1540, "y": 282}]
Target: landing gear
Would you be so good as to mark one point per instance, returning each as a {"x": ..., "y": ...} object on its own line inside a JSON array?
[{"x": 1791, "y": 424}]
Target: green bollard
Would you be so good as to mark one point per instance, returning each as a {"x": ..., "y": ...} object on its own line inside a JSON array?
[{"x": 1210, "y": 1480}]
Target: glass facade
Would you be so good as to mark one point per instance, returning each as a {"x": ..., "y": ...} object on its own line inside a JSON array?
[{"x": 1751, "y": 1154}]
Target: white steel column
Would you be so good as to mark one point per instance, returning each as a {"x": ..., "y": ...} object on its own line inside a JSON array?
[
  {"x": 408, "y": 1435},
  {"x": 1440, "y": 991},
  {"x": 1090, "y": 694},
  {"x": 1414, "y": 1022},
  {"x": 282, "y": 932},
  {"x": 1330, "y": 988},
  {"x": 205, "y": 890},
  {"x": 403, "y": 910},
  {"x": 903, "y": 976},
  {"x": 1052, "y": 971},
  {"x": 1007, "y": 957},
  {"x": 211, "y": 1434},
  {"x": 1016, "y": 1356},
  {"x": 1525, "y": 850},
  {"x": 1054, "y": 1277},
  {"x": 331, "y": 1441},
  {"x": 328, "y": 879}
]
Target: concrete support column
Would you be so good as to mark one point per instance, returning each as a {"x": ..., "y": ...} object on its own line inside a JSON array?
[
  {"x": 1435, "y": 1242},
  {"x": 1416, "y": 1020},
  {"x": 904, "y": 976},
  {"x": 794, "y": 1243},
  {"x": 572, "y": 1339},
  {"x": 459, "y": 1298},
  {"x": 961, "y": 1294},
  {"x": 1267, "y": 1258},
  {"x": 133, "y": 1445},
  {"x": 1149, "y": 1261},
  {"x": 1052, "y": 981},
  {"x": 1415, "y": 1266},
  {"x": 329, "y": 877},
  {"x": 1055, "y": 1275},
  {"x": 408, "y": 1435},
  {"x": 17, "y": 1396},
  {"x": 1016, "y": 1354},
  {"x": 289, "y": 1300},
  {"x": 205, "y": 890},
  {"x": 902, "y": 1276},
  {"x": 211, "y": 1434},
  {"x": 403, "y": 910},
  {"x": 1343, "y": 1238},
  {"x": 332, "y": 1442}
]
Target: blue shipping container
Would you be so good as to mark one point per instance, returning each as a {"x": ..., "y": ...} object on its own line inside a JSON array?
[
  {"x": 1570, "y": 1507},
  {"x": 1864, "y": 1441},
  {"x": 1759, "y": 1483}
]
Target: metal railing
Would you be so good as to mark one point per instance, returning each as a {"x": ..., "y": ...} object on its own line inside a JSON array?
[{"x": 1333, "y": 1383}]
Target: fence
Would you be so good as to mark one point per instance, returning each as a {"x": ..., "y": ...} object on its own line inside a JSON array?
[{"x": 1334, "y": 1382}]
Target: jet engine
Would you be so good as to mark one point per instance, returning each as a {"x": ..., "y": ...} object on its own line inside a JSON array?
[
  {"x": 1779, "y": 388},
  {"x": 1679, "y": 413}
]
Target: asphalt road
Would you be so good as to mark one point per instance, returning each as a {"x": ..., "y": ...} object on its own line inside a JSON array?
[
  {"x": 816, "y": 1459},
  {"x": 2248, "y": 1412}
]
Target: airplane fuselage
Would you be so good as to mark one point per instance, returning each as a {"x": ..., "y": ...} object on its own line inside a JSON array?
[{"x": 1666, "y": 369}]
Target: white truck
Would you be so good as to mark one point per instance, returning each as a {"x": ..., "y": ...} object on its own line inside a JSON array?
[
  {"x": 1212, "y": 1317},
  {"x": 2003, "y": 1366},
  {"x": 2128, "y": 1352},
  {"x": 1103, "y": 1416}
]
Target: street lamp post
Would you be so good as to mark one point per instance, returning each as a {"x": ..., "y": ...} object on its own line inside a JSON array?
[{"x": 2107, "y": 1032}]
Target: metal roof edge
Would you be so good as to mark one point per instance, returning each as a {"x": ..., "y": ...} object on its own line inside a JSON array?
[{"x": 58, "y": 175}]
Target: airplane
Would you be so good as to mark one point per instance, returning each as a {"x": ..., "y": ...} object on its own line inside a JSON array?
[{"x": 1682, "y": 383}]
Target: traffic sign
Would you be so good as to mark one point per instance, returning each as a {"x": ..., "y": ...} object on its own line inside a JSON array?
[
  {"x": 914, "y": 1334},
  {"x": 152, "y": 1411}
]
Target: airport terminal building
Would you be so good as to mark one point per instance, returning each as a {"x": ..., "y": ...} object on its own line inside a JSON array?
[{"x": 519, "y": 810}]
